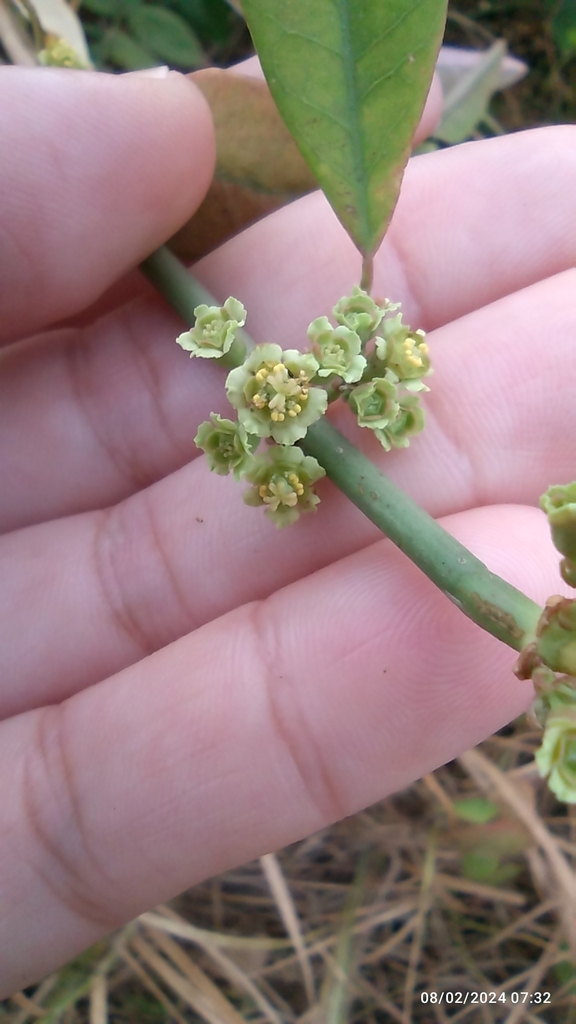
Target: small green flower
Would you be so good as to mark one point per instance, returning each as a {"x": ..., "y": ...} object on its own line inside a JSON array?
[
  {"x": 556, "y": 757},
  {"x": 405, "y": 352},
  {"x": 337, "y": 349},
  {"x": 58, "y": 53},
  {"x": 214, "y": 330},
  {"x": 227, "y": 445},
  {"x": 559, "y": 504},
  {"x": 409, "y": 421},
  {"x": 272, "y": 393},
  {"x": 360, "y": 313},
  {"x": 282, "y": 481},
  {"x": 375, "y": 403}
]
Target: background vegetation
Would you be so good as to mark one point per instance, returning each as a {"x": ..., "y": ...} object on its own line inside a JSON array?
[{"x": 463, "y": 882}]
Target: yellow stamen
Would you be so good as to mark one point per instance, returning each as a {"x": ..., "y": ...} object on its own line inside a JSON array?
[{"x": 292, "y": 413}]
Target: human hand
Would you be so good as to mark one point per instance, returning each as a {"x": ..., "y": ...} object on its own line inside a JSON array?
[{"x": 183, "y": 687}]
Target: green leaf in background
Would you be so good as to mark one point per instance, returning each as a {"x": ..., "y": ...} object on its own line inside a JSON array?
[
  {"x": 166, "y": 34},
  {"x": 119, "y": 48},
  {"x": 350, "y": 78},
  {"x": 104, "y": 8},
  {"x": 212, "y": 19},
  {"x": 476, "y": 809},
  {"x": 564, "y": 27}
]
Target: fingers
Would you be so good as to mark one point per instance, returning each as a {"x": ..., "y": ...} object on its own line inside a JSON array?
[
  {"x": 172, "y": 557},
  {"x": 102, "y": 170},
  {"x": 93, "y": 417},
  {"x": 248, "y": 734}
]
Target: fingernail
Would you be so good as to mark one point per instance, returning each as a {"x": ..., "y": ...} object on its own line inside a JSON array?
[{"x": 160, "y": 72}]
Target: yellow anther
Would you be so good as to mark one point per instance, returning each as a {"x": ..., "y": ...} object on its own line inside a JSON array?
[
  {"x": 292, "y": 413},
  {"x": 293, "y": 479},
  {"x": 263, "y": 491},
  {"x": 297, "y": 408},
  {"x": 304, "y": 393},
  {"x": 275, "y": 416},
  {"x": 299, "y": 488},
  {"x": 278, "y": 368},
  {"x": 414, "y": 361},
  {"x": 281, "y": 417},
  {"x": 423, "y": 347}
]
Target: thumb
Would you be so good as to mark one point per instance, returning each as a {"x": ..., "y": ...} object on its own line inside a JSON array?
[{"x": 98, "y": 171}]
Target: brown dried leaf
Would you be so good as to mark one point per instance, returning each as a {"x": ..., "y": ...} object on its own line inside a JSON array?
[{"x": 258, "y": 165}]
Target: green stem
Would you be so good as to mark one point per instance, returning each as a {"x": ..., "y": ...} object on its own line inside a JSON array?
[
  {"x": 367, "y": 273},
  {"x": 485, "y": 598}
]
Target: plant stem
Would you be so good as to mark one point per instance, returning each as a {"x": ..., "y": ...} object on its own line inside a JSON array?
[
  {"x": 367, "y": 273},
  {"x": 485, "y": 598}
]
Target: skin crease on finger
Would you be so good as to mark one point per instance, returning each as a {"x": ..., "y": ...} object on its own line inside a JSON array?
[
  {"x": 248, "y": 734},
  {"x": 172, "y": 557}
]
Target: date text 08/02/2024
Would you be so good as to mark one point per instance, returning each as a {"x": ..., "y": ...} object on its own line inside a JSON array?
[{"x": 461, "y": 998}]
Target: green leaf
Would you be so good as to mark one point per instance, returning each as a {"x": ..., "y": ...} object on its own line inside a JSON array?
[
  {"x": 105, "y": 8},
  {"x": 564, "y": 27},
  {"x": 166, "y": 34},
  {"x": 120, "y": 49},
  {"x": 476, "y": 809},
  {"x": 350, "y": 78}
]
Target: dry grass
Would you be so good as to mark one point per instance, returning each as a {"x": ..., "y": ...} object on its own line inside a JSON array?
[{"x": 355, "y": 923}]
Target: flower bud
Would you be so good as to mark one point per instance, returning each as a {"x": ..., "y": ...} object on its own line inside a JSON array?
[
  {"x": 559, "y": 504},
  {"x": 337, "y": 349},
  {"x": 409, "y": 420},
  {"x": 375, "y": 403},
  {"x": 227, "y": 445},
  {"x": 360, "y": 313},
  {"x": 556, "y": 635},
  {"x": 214, "y": 330}
]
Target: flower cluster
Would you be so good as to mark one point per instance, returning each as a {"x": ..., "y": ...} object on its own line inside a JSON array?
[
  {"x": 369, "y": 357},
  {"x": 386, "y": 401}
]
